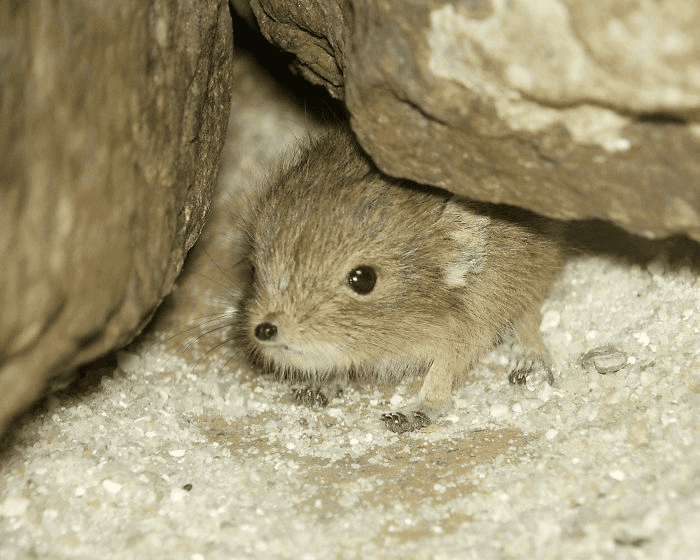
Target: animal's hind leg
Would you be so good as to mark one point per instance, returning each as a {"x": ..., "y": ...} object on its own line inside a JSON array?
[{"x": 535, "y": 361}]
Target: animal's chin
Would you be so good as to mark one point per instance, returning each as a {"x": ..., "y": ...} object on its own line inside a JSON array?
[{"x": 304, "y": 361}]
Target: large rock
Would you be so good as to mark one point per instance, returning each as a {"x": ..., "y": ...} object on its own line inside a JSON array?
[
  {"x": 113, "y": 118},
  {"x": 575, "y": 109}
]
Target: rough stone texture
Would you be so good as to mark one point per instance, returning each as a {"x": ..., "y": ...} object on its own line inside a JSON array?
[
  {"x": 113, "y": 119},
  {"x": 573, "y": 108}
]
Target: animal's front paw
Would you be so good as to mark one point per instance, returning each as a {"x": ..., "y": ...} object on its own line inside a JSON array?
[
  {"x": 532, "y": 371},
  {"x": 408, "y": 421},
  {"x": 312, "y": 397}
]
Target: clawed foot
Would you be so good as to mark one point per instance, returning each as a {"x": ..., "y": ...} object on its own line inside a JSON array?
[
  {"x": 532, "y": 371},
  {"x": 315, "y": 396},
  {"x": 409, "y": 421},
  {"x": 310, "y": 396}
]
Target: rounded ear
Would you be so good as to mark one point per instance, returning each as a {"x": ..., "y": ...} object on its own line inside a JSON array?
[{"x": 469, "y": 230}]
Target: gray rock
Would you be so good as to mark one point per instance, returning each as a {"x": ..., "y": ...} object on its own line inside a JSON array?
[
  {"x": 113, "y": 118},
  {"x": 581, "y": 109}
]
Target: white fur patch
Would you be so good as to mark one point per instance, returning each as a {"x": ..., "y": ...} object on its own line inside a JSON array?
[
  {"x": 456, "y": 274},
  {"x": 307, "y": 357},
  {"x": 469, "y": 232}
]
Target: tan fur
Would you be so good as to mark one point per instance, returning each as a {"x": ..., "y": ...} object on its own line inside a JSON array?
[{"x": 453, "y": 276}]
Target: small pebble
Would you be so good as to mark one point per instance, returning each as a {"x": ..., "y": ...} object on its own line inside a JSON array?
[
  {"x": 617, "y": 474},
  {"x": 177, "y": 494},
  {"x": 605, "y": 359},
  {"x": 642, "y": 338},
  {"x": 111, "y": 486},
  {"x": 13, "y": 506},
  {"x": 130, "y": 363},
  {"x": 499, "y": 410},
  {"x": 551, "y": 434},
  {"x": 550, "y": 321}
]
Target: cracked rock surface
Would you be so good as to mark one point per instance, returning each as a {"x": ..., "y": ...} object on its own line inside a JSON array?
[
  {"x": 113, "y": 119},
  {"x": 574, "y": 109}
]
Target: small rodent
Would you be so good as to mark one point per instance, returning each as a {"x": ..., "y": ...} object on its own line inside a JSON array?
[{"x": 354, "y": 274}]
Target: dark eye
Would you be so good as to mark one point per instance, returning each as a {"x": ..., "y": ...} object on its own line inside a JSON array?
[{"x": 362, "y": 279}]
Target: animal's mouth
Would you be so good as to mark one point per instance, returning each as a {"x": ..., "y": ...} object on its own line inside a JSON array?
[
  {"x": 309, "y": 359},
  {"x": 284, "y": 346},
  {"x": 282, "y": 352}
]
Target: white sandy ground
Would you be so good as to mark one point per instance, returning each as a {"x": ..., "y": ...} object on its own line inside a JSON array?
[{"x": 180, "y": 453}]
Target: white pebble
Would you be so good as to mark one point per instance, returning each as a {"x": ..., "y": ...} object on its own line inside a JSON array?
[
  {"x": 14, "y": 506},
  {"x": 396, "y": 401},
  {"x": 177, "y": 494},
  {"x": 49, "y": 515},
  {"x": 551, "y": 434},
  {"x": 654, "y": 519},
  {"x": 130, "y": 363},
  {"x": 642, "y": 338},
  {"x": 111, "y": 486},
  {"x": 334, "y": 412},
  {"x": 617, "y": 474},
  {"x": 177, "y": 453},
  {"x": 647, "y": 378},
  {"x": 499, "y": 410},
  {"x": 550, "y": 320},
  {"x": 545, "y": 392}
]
